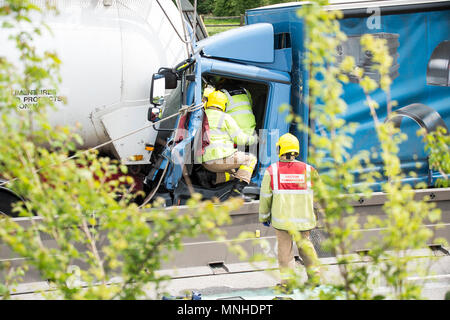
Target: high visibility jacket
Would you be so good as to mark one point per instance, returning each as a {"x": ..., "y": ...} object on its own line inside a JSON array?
[
  {"x": 286, "y": 197},
  {"x": 224, "y": 132},
  {"x": 240, "y": 108}
]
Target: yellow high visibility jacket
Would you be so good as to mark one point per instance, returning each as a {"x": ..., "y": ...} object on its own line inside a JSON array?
[
  {"x": 224, "y": 133},
  {"x": 286, "y": 196},
  {"x": 240, "y": 108}
]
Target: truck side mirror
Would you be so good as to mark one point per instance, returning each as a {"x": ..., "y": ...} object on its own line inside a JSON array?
[
  {"x": 158, "y": 89},
  {"x": 171, "y": 79},
  {"x": 154, "y": 114},
  {"x": 170, "y": 76}
]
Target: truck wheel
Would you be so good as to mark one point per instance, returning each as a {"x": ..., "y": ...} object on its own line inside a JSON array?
[{"x": 7, "y": 199}]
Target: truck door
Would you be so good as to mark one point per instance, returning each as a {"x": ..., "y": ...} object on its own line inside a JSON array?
[{"x": 269, "y": 89}]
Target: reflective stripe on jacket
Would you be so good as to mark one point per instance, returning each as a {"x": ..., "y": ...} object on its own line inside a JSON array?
[
  {"x": 240, "y": 108},
  {"x": 286, "y": 196},
  {"x": 224, "y": 133}
]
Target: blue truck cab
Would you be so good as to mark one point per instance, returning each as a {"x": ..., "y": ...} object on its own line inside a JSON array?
[{"x": 266, "y": 57}]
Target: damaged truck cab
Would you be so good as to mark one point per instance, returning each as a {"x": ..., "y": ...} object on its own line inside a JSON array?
[
  {"x": 246, "y": 58},
  {"x": 266, "y": 57}
]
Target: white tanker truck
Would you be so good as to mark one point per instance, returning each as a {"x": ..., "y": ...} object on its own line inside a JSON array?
[{"x": 109, "y": 51}]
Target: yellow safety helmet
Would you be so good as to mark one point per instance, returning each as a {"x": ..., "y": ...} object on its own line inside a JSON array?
[
  {"x": 207, "y": 91},
  {"x": 288, "y": 143},
  {"x": 217, "y": 99}
]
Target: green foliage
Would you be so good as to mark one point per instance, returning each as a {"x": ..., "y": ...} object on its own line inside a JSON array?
[
  {"x": 204, "y": 6},
  {"x": 237, "y": 7},
  {"x": 225, "y": 8},
  {"x": 437, "y": 145},
  {"x": 231, "y": 7},
  {"x": 76, "y": 201},
  {"x": 214, "y": 30}
]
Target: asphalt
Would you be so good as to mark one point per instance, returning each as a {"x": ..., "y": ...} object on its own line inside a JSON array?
[
  {"x": 259, "y": 284},
  {"x": 245, "y": 281}
]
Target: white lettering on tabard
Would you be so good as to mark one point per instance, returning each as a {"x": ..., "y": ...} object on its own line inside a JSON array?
[{"x": 292, "y": 178}]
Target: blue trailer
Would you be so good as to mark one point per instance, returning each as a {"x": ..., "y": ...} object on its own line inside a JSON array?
[{"x": 266, "y": 57}]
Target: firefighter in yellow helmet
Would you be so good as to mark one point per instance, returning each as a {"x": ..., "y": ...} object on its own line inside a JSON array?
[
  {"x": 286, "y": 202},
  {"x": 206, "y": 92},
  {"x": 240, "y": 108},
  {"x": 221, "y": 156}
]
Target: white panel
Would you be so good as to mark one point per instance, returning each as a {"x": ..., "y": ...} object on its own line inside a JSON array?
[
  {"x": 89, "y": 45},
  {"x": 149, "y": 42}
]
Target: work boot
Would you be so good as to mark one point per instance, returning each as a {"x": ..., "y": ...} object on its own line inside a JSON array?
[
  {"x": 314, "y": 277},
  {"x": 236, "y": 192},
  {"x": 283, "y": 288}
]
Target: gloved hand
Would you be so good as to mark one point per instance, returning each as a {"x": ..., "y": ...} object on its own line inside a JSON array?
[{"x": 267, "y": 223}]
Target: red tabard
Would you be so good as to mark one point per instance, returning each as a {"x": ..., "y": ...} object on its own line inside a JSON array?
[{"x": 294, "y": 175}]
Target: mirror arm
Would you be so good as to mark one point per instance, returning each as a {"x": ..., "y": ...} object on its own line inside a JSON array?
[{"x": 183, "y": 65}]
